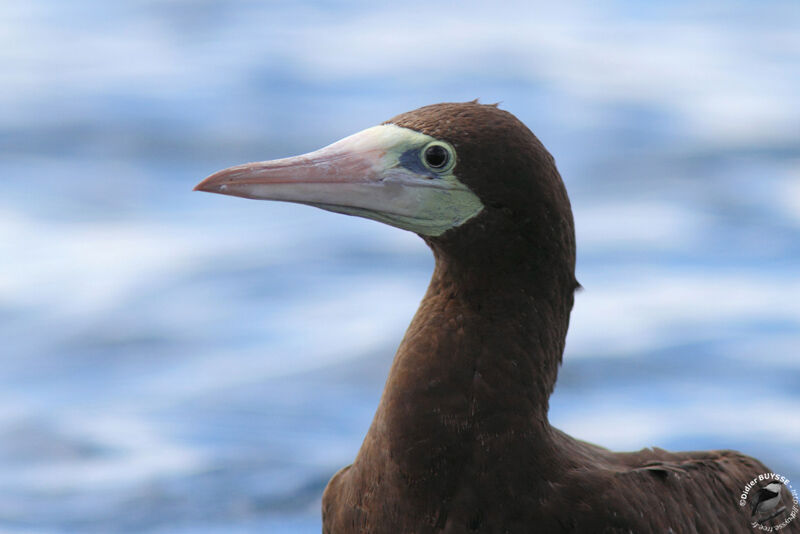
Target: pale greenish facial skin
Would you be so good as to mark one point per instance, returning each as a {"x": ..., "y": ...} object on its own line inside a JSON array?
[{"x": 380, "y": 173}]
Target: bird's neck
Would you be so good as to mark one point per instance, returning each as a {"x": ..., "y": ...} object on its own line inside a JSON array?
[{"x": 477, "y": 364}]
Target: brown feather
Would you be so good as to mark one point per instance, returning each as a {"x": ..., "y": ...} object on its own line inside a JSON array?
[{"x": 460, "y": 441}]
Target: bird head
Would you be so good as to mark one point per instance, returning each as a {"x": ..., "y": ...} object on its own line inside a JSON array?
[{"x": 457, "y": 174}]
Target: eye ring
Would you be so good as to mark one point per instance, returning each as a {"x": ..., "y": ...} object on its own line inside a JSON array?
[{"x": 438, "y": 157}]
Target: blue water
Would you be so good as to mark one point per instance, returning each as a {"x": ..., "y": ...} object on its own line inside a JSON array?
[{"x": 176, "y": 362}]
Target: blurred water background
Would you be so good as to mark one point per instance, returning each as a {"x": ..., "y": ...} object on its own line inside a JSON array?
[{"x": 182, "y": 362}]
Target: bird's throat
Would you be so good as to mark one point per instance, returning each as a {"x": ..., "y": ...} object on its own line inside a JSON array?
[{"x": 471, "y": 378}]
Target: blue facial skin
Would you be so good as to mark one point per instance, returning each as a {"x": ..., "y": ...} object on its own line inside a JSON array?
[{"x": 410, "y": 159}]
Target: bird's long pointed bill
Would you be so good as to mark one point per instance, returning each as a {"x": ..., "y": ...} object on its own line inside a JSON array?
[
  {"x": 359, "y": 175},
  {"x": 327, "y": 176}
]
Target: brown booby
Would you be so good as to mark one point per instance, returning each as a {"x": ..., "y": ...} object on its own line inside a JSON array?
[{"x": 460, "y": 441}]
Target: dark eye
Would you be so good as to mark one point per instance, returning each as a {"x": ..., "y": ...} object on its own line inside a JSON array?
[{"x": 437, "y": 156}]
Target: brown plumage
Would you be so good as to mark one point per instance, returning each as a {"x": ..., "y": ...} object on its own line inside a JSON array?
[{"x": 460, "y": 441}]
